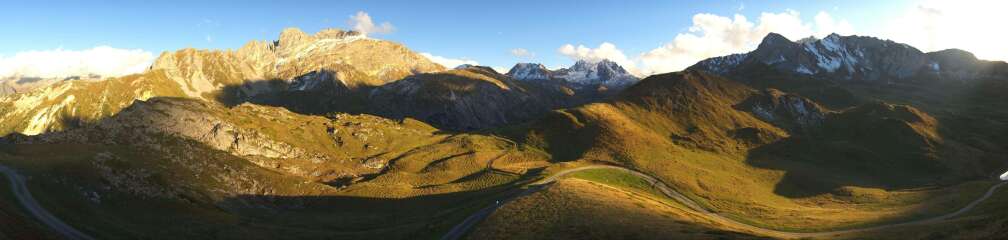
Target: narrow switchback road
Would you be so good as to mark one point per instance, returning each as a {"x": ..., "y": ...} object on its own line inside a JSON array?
[
  {"x": 26, "y": 200},
  {"x": 459, "y": 230}
]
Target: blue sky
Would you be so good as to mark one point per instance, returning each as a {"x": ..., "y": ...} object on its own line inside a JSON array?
[{"x": 483, "y": 31}]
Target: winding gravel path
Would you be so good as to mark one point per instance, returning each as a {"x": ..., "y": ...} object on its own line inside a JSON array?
[
  {"x": 459, "y": 230},
  {"x": 24, "y": 197}
]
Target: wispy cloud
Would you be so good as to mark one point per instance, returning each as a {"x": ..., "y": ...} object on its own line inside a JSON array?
[
  {"x": 710, "y": 36},
  {"x": 362, "y": 22},
  {"x": 449, "y": 62},
  {"x": 102, "y": 60},
  {"x": 605, "y": 50},
  {"x": 522, "y": 53},
  {"x": 970, "y": 25}
]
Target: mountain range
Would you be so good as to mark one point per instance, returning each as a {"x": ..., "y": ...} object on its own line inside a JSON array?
[
  {"x": 855, "y": 58},
  {"x": 603, "y": 72},
  {"x": 336, "y": 135}
]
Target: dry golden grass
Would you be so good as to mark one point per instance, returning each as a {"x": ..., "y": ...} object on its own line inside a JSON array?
[
  {"x": 989, "y": 220},
  {"x": 677, "y": 129},
  {"x": 580, "y": 209}
]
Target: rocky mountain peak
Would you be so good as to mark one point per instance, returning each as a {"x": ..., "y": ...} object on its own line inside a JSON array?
[
  {"x": 477, "y": 68},
  {"x": 774, "y": 39},
  {"x": 584, "y": 72},
  {"x": 292, "y": 37},
  {"x": 855, "y": 58},
  {"x": 529, "y": 71},
  {"x": 334, "y": 33},
  {"x": 605, "y": 72}
]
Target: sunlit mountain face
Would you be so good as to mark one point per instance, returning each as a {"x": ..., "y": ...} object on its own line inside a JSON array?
[{"x": 503, "y": 120}]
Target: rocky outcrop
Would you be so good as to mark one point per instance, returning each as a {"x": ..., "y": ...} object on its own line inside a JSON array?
[
  {"x": 312, "y": 147},
  {"x": 789, "y": 111},
  {"x": 530, "y": 72}
]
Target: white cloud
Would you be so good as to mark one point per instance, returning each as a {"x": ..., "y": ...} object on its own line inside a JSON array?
[
  {"x": 501, "y": 69},
  {"x": 448, "y": 62},
  {"x": 522, "y": 53},
  {"x": 712, "y": 35},
  {"x": 929, "y": 26},
  {"x": 605, "y": 50},
  {"x": 936, "y": 25},
  {"x": 56, "y": 63},
  {"x": 361, "y": 22}
]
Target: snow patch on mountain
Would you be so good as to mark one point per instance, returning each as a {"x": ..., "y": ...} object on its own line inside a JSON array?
[
  {"x": 723, "y": 64},
  {"x": 529, "y": 71},
  {"x": 803, "y": 70},
  {"x": 603, "y": 72},
  {"x": 843, "y": 57}
]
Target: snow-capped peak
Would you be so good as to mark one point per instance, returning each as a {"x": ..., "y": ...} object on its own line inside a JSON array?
[
  {"x": 843, "y": 57},
  {"x": 605, "y": 72},
  {"x": 529, "y": 71}
]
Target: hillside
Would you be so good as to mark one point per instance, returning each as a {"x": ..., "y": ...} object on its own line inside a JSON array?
[
  {"x": 210, "y": 166},
  {"x": 71, "y": 103},
  {"x": 737, "y": 150},
  {"x": 580, "y": 209}
]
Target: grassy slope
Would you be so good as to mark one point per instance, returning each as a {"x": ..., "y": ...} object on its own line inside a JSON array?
[
  {"x": 988, "y": 221},
  {"x": 579, "y": 209},
  {"x": 71, "y": 103},
  {"x": 183, "y": 202},
  {"x": 432, "y": 180},
  {"x": 683, "y": 134},
  {"x": 679, "y": 130}
]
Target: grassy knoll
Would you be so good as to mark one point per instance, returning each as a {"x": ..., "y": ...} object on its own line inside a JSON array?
[{"x": 618, "y": 179}]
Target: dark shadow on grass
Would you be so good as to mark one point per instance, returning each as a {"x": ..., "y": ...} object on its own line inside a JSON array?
[
  {"x": 447, "y": 100},
  {"x": 856, "y": 148}
]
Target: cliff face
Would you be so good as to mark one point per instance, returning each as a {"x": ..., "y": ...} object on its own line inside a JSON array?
[
  {"x": 294, "y": 55},
  {"x": 789, "y": 111}
]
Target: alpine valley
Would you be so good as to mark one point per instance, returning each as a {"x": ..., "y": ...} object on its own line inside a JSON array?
[{"x": 337, "y": 135}]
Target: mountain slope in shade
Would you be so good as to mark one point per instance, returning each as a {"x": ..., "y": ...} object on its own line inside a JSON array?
[{"x": 465, "y": 99}]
